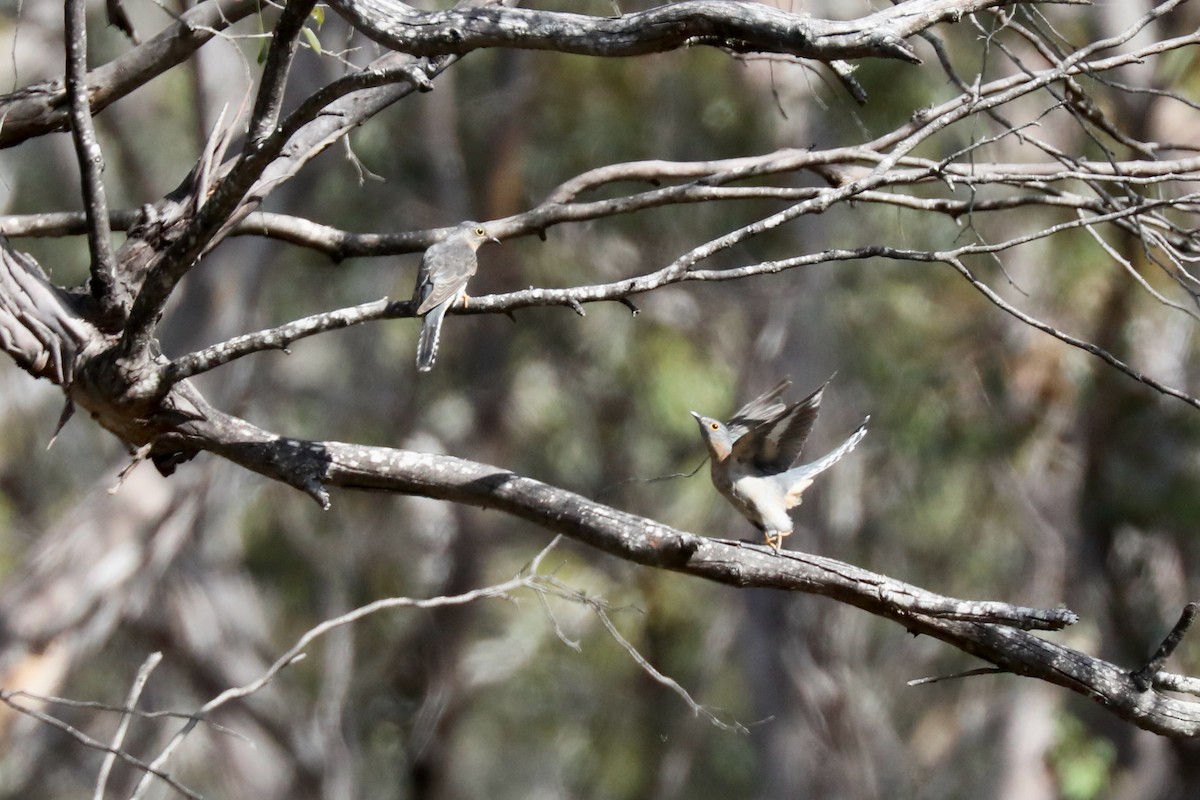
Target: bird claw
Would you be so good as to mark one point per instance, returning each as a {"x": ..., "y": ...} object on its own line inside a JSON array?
[{"x": 775, "y": 541}]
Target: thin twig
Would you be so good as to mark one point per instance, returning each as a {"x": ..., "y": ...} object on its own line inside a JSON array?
[
  {"x": 149, "y": 770},
  {"x": 135, "y": 692},
  {"x": 665, "y": 680},
  {"x": 656, "y": 479},
  {"x": 1144, "y": 677},
  {"x": 550, "y": 585},
  {"x": 296, "y": 651},
  {"x": 93, "y": 705},
  {"x": 957, "y": 676},
  {"x": 1086, "y": 346}
]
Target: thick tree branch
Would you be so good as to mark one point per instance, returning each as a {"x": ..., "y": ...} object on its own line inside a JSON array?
[
  {"x": 313, "y": 466},
  {"x": 306, "y": 465},
  {"x": 734, "y": 26},
  {"x": 284, "y": 42}
]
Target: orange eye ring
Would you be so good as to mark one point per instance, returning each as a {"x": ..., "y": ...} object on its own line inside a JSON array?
[{"x": 716, "y": 426}]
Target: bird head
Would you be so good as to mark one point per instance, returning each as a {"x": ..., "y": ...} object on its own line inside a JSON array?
[
  {"x": 478, "y": 234},
  {"x": 715, "y": 435}
]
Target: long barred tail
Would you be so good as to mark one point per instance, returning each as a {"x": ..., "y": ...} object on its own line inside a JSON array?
[
  {"x": 431, "y": 334},
  {"x": 800, "y": 478}
]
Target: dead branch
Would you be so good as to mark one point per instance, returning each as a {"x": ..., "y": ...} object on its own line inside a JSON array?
[{"x": 732, "y": 26}]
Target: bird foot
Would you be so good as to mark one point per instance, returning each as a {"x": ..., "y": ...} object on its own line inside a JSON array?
[{"x": 775, "y": 540}]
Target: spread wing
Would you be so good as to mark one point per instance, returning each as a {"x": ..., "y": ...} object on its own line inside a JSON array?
[
  {"x": 775, "y": 444},
  {"x": 762, "y": 409},
  {"x": 791, "y": 432},
  {"x": 445, "y": 270}
]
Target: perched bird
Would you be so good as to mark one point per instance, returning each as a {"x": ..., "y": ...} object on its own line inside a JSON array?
[
  {"x": 442, "y": 282},
  {"x": 752, "y": 457}
]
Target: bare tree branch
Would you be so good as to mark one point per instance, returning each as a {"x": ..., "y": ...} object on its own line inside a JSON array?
[
  {"x": 1144, "y": 677},
  {"x": 60, "y": 223},
  {"x": 7, "y": 699},
  {"x": 91, "y": 161},
  {"x": 574, "y": 297},
  {"x": 305, "y": 464},
  {"x": 274, "y": 339},
  {"x": 1088, "y": 347},
  {"x": 284, "y": 42},
  {"x": 38, "y": 329},
  {"x": 733, "y": 26},
  {"x": 135, "y": 692},
  {"x": 601, "y": 611}
]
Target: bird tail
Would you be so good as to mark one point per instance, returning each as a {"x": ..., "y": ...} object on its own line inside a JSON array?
[
  {"x": 431, "y": 334},
  {"x": 798, "y": 479}
]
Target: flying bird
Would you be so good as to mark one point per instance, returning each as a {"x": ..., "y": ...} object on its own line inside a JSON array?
[{"x": 753, "y": 453}]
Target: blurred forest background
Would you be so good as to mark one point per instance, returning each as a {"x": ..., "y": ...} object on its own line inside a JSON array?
[{"x": 1000, "y": 464}]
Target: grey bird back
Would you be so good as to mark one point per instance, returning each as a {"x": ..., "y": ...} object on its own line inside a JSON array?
[{"x": 447, "y": 265}]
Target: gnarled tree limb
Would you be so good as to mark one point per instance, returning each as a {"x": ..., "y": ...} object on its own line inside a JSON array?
[{"x": 731, "y": 25}]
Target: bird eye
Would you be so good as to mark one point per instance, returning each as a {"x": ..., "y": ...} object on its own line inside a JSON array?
[
  {"x": 714, "y": 425},
  {"x": 480, "y": 231}
]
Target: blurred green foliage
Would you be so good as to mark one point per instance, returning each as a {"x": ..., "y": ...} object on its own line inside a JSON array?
[{"x": 1083, "y": 764}]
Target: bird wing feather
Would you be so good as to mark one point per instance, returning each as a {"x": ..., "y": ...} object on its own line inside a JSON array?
[
  {"x": 775, "y": 444},
  {"x": 784, "y": 442},
  {"x": 764, "y": 408},
  {"x": 795, "y": 481},
  {"x": 445, "y": 270}
]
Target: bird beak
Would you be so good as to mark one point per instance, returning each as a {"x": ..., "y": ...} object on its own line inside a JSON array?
[
  {"x": 494, "y": 239},
  {"x": 695, "y": 415}
]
